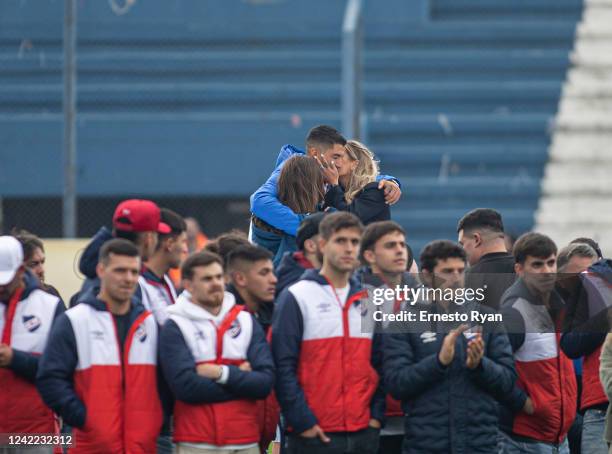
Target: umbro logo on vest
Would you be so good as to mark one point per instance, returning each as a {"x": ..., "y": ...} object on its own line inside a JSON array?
[
  {"x": 97, "y": 335},
  {"x": 31, "y": 322},
  {"x": 428, "y": 336},
  {"x": 199, "y": 334},
  {"x": 235, "y": 329},
  {"x": 324, "y": 307},
  {"x": 141, "y": 333}
]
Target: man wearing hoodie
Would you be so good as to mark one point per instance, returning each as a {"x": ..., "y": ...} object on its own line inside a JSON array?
[
  {"x": 135, "y": 220},
  {"x": 328, "y": 385},
  {"x": 270, "y": 215},
  {"x": 308, "y": 255},
  {"x": 99, "y": 371},
  {"x": 156, "y": 287},
  {"x": 26, "y": 316},
  {"x": 217, "y": 363}
]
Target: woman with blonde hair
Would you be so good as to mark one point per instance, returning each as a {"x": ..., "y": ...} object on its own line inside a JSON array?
[{"x": 353, "y": 187}]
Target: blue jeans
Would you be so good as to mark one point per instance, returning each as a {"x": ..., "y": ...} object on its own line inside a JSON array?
[
  {"x": 509, "y": 445},
  {"x": 593, "y": 424}
]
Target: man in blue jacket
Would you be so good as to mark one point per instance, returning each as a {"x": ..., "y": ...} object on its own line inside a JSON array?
[
  {"x": 448, "y": 379},
  {"x": 270, "y": 215}
]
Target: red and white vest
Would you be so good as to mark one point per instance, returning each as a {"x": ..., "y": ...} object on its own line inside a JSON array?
[
  {"x": 334, "y": 367},
  {"x": 547, "y": 376},
  {"x": 124, "y": 413},
  {"x": 156, "y": 297},
  {"x": 25, "y": 326},
  {"x": 224, "y": 339}
]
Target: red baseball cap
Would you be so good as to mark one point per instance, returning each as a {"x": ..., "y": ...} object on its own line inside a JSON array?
[{"x": 137, "y": 215}]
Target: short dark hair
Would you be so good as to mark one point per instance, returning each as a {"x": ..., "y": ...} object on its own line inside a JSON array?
[
  {"x": 247, "y": 253},
  {"x": 440, "y": 250},
  {"x": 375, "y": 231},
  {"x": 29, "y": 243},
  {"x": 533, "y": 244},
  {"x": 323, "y": 137},
  {"x": 337, "y": 221},
  {"x": 117, "y": 246},
  {"x": 176, "y": 223},
  {"x": 132, "y": 237},
  {"x": 226, "y": 243},
  {"x": 591, "y": 242},
  {"x": 481, "y": 218},
  {"x": 204, "y": 258}
]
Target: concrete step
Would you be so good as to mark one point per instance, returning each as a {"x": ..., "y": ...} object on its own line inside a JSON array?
[
  {"x": 582, "y": 105},
  {"x": 583, "y": 122},
  {"x": 591, "y": 59},
  {"x": 592, "y": 89},
  {"x": 562, "y": 184},
  {"x": 562, "y": 233},
  {"x": 582, "y": 147},
  {"x": 570, "y": 207},
  {"x": 587, "y": 75}
]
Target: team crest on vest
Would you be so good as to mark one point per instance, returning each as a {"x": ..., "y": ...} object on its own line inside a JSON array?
[
  {"x": 141, "y": 333},
  {"x": 235, "y": 329},
  {"x": 31, "y": 322}
]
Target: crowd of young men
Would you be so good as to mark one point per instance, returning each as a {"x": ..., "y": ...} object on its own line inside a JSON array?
[{"x": 242, "y": 353}]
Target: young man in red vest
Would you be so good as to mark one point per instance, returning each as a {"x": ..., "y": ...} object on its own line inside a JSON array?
[
  {"x": 217, "y": 363},
  {"x": 26, "y": 316},
  {"x": 99, "y": 371},
  {"x": 542, "y": 406},
  {"x": 327, "y": 385}
]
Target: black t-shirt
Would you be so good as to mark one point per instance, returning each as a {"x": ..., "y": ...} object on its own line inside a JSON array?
[
  {"x": 495, "y": 273},
  {"x": 123, "y": 326}
]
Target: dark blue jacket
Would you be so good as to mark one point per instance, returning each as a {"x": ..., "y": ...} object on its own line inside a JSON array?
[
  {"x": 290, "y": 270},
  {"x": 89, "y": 259},
  {"x": 368, "y": 205},
  {"x": 87, "y": 266},
  {"x": 449, "y": 409}
]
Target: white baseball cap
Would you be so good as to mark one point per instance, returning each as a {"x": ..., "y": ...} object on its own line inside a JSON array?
[{"x": 11, "y": 258}]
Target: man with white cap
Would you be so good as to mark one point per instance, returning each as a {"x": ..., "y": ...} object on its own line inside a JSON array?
[{"x": 26, "y": 315}]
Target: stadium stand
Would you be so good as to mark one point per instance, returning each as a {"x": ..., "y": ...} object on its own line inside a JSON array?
[
  {"x": 577, "y": 188},
  {"x": 459, "y": 97}
]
